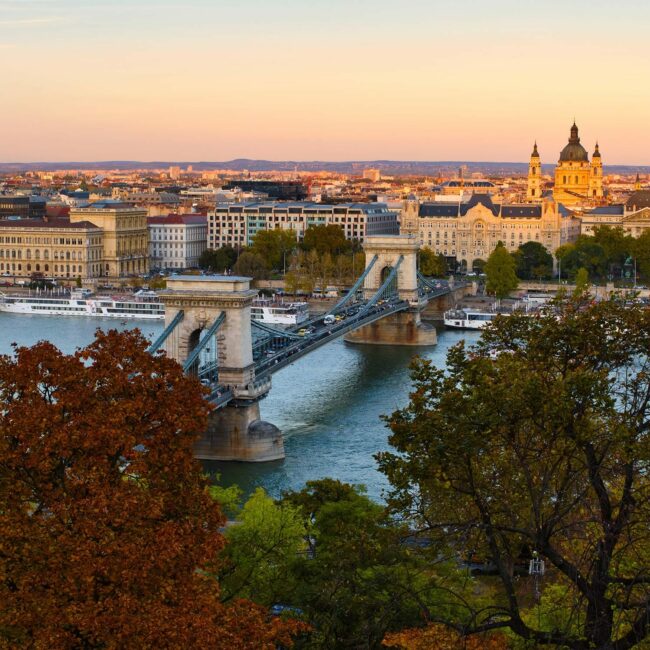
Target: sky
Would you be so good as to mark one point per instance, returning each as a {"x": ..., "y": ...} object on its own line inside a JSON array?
[{"x": 192, "y": 80}]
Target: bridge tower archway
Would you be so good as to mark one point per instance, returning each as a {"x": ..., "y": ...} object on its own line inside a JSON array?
[{"x": 389, "y": 249}]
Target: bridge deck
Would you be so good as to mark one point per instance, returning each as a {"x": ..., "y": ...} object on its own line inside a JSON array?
[{"x": 352, "y": 317}]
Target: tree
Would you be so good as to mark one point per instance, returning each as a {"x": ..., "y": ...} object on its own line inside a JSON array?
[
  {"x": 326, "y": 239},
  {"x": 533, "y": 261},
  {"x": 641, "y": 251},
  {"x": 500, "y": 272},
  {"x": 586, "y": 253},
  {"x": 582, "y": 281},
  {"x": 251, "y": 265},
  {"x": 359, "y": 579},
  {"x": 432, "y": 265},
  {"x": 263, "y": 543},
  {"x": 108, "y": 534},
  {"x": 444, "y": 638},
  {"x": 218, "y": 260},
  {"x": 542, "y": 447},
  {"x": 561, "y": 254},
  {"x": 274, "y": 246},
  {"x": 616, "y": 245}
]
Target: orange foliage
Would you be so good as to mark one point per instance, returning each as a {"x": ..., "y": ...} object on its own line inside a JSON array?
[
  {"x": 107, "y": 533},
  {"x": 440, "y": 637}
]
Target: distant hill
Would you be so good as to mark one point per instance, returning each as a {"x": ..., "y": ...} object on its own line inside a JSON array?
[{"x": 389, "y": 167}]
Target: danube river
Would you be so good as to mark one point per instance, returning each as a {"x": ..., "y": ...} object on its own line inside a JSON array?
[{"x": 328, "y": 404}]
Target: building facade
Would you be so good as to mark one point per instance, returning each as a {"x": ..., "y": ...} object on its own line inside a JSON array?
[
  {"x": 633, "y": 216},
  {"x": 22, "y": 207},
  {"x": 467, "y": 232},
  {"x": 177, "y": 240},
  {"x": 56, "y": 249},
  {"x": 125, "y": 236},
  {"x": 235, "y": 224}
]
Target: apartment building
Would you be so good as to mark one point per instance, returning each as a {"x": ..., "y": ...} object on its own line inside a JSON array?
[
  {"x": 176, "y": 241},
  {"x": 235, "y": 224}
]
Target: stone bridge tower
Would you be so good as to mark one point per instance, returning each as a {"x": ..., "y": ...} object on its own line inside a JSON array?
[
  {"x": 404, "y": 328},
  {"x": 235, "y": 431}
]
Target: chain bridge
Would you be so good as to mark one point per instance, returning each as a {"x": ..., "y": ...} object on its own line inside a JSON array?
[{"x": 208, "y": 329}]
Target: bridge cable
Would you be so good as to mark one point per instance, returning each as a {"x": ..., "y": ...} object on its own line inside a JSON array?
[
  {"x": 273, "y": 331},
  {"x": 155, "y": 346},
  {"x": 204, "y": 341},
  {"x": 353, "y": 291},
  {"x": 380, "y": 292}
]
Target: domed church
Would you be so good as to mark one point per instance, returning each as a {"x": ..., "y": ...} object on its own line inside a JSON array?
[{"x": 577, "y": 180}]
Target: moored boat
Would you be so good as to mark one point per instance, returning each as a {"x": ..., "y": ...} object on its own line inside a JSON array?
[
  {"x": 81, "y": 302},
  {"x": 274, "y": 312}
]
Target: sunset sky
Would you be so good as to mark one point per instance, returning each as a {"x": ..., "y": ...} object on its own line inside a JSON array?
[{"x": 322, "y": 79}]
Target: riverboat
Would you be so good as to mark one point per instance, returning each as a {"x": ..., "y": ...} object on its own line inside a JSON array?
[
  {"x": 468, "y": 319},
  {"x": 273, "y": 312},
  {"x": 143, "y": 305}
]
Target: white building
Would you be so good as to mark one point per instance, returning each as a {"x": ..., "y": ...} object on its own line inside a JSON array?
[
  {"x": 235, "y": 224},
  {"x": 176, "y": 241}
]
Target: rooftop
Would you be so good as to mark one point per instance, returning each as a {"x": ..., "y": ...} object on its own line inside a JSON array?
[{"x": 60, "y": 224}]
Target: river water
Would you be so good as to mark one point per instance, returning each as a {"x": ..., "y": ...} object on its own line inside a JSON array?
[{"x": 328, "y": 404}]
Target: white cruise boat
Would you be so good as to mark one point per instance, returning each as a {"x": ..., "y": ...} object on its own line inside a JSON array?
[
  {"x": 285, "y": 314},
  {"x": 143, "y": 305},
  {"x": 468, "y": 319}
]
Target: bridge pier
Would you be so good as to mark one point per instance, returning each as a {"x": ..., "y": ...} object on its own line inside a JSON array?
[
  {"x": 403, "y": 328},
  {"x": 235, "y": 432}
]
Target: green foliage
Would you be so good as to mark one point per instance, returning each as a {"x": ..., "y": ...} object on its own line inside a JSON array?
[
  {"x": 582, "y": 281},
  {"x": 432, "y": 265},
  {"x": 263, "y": 544},
  {"x": 252, "y": 265},
  {"x": 274, "y": 246},
  {"x": 326, "y": 239},
  {"x": 542, "y": 447},
  {"x": 229, "y": 498},
  {"x": 500, "y": 272},
  {"x": 218, "y": 260},
  {"x": 340, "y": 558},
  {"x": 533, "y": 261}
]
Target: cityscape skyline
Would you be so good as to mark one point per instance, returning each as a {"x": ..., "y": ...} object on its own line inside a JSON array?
[{"x": 323, "y": 80}]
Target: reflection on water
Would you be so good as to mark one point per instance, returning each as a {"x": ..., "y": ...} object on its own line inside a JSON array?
[{"x": 328, "y": 404}]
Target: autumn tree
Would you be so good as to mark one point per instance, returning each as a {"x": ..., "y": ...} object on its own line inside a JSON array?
[
  {"x": 274, "y": 246},
  {"x": 108, "y": 536},
  {"x": 252, "y": 265},
  {"x": 500, "y": 272},
  {"x": 537, "y": 441},
  {"x": 432, "y": 265},
  {"x": 328, "y": 238}
]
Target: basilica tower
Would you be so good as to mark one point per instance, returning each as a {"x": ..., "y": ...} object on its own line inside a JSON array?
[
  {"x": 534, "y": 191},
  {"x": 596, "y": 179}
]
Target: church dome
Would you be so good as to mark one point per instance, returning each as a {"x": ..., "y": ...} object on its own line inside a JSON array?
[
  {"x": 535, "y": 153},
  {"x": 574, "y": 151}
]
